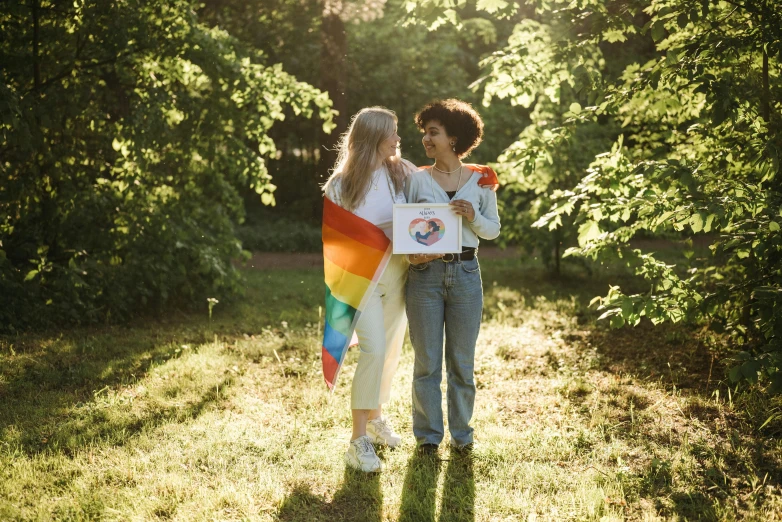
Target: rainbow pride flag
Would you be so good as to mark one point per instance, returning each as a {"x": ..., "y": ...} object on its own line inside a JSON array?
[{"x": 355, "y": 254}]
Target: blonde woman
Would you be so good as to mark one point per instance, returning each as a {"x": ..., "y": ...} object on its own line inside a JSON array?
[{"x": 368, "y": 178}]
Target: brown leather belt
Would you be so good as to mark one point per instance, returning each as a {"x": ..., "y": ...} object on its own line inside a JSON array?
[{"x": 468, "y": 254}]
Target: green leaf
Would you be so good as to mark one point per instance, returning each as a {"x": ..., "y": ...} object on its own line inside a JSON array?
[
  {"x": 116, "y": 144},
  {"x": 735, "y": 374},
  {"x": 614, "y": 35},
  {"x": 588, "y": 232},
  {"x": 709, "y": 221},
  {"x": 30, "y": 275},
  {"x": 650, "y": 309},
  {"x": 771, "y": 418},
  {"x": 750, "y": 369},
  {"x": 627, "y": 308},
  {"x": 654, "y": 77},
  {"x": 663, "y": 217},
  {"x": 617, "y": 321},
  {"x": 267, "y": 199},
  {"x": 696, "y": 223},
  {"x": 491, "y": 6},
  {"x": 607, "y": 313},
  {"x": 773, "y": 226},
  {"x": 682, "y": 20},
  {"x": 575, "y": 108},
  {"x": 658, "y": 30}
]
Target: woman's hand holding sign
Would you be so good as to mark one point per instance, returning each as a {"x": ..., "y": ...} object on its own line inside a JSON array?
[{"x": 462, "y": 207}]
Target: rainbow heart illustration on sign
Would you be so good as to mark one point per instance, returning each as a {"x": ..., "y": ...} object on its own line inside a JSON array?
[{"x": 426, "y": 231}]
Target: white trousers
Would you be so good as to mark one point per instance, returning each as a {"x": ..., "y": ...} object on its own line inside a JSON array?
[{"x": 381, "y": 333}]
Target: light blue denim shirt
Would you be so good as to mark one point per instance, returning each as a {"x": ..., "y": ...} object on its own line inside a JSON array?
[{"x": 421, "y": 188}]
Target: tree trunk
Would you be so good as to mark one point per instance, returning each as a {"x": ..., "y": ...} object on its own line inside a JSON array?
[
  {"x": 36, "y": 30},
  {"x": 765, "y": 108},
  {"x": 333, "y": 72}
]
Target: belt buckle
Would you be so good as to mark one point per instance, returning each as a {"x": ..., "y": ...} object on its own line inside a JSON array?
[{"x": 446, "y": 260}]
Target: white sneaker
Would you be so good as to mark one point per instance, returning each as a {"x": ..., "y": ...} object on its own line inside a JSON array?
[
  {"x": 361, "y": 455},
  {"x": 380, "y": 431}
]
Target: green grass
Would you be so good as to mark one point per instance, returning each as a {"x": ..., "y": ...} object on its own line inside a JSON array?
[{"x": 187, "y": 419}]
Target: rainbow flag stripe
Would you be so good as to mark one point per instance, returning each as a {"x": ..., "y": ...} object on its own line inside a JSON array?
[{"x": 355, "y": 254}]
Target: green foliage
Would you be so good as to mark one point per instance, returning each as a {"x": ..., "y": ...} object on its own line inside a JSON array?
[
  {"x": 386, "y": 64},
  {"x": 698, "y": 110},
  {"x": 128, "y": 132},
  {"x": 699, "y": 156},
  {"x": 280, "y": 235},
  {"x": 427, "y": 65}
]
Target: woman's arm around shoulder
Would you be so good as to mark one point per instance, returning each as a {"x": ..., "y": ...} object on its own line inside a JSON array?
[
  {"x": 413, "y": 184},
  {"x": 486, "y": 224},
  {"x": 408, "y": 167}
]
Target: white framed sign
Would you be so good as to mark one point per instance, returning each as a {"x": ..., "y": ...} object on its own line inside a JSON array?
[{"x": 426, "y": 228}]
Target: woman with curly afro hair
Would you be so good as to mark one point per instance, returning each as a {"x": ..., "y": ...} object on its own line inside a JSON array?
[{"x": 444, "y": 294}]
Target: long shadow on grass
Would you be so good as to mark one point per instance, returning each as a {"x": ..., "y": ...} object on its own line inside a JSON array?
[
  {"x": 419, "y": 492},
  {"x": 666, "y": 354},
  {"x": 458, "y": 489},
  {"x": 670, "y": 355},
  {"x": 48, "y": 391},
  {"x": 358, "y": 499}
]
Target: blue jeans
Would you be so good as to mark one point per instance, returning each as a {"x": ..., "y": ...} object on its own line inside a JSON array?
[{"x": 444, "y": 298}]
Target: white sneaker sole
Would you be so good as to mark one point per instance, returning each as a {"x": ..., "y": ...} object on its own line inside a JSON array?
[
  {"x": 382, "y": 441},
  {"x": 354, "y": 463}
]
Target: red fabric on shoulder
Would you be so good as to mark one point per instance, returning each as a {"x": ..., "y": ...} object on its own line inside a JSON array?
[{"x": 488, "y": 176}]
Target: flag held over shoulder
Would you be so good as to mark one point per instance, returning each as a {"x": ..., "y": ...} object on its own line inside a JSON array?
[{"x": 355, "y": 254}]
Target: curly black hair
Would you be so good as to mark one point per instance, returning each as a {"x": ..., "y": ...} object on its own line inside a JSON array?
[{"x": 460, "y": 120}]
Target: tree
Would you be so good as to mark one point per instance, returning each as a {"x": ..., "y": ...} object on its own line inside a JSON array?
[
  {"x": 128, "y": 131},
  {"x": 383, "y": 63},
  {"x": 698, "y": 152}
]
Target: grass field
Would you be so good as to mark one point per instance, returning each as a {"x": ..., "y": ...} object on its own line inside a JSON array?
[{"x": 183, "y": 418}]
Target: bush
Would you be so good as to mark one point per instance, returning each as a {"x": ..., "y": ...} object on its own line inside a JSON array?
[
  {"x": 128, "y": 132},
  {"x": 280, "y": 235}
]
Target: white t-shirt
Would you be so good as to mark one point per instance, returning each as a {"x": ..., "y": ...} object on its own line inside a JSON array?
[{"x": 378, "y": 205}]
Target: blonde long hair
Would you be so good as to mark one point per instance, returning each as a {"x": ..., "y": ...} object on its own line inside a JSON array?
[{"x": 358, "y": 151}]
